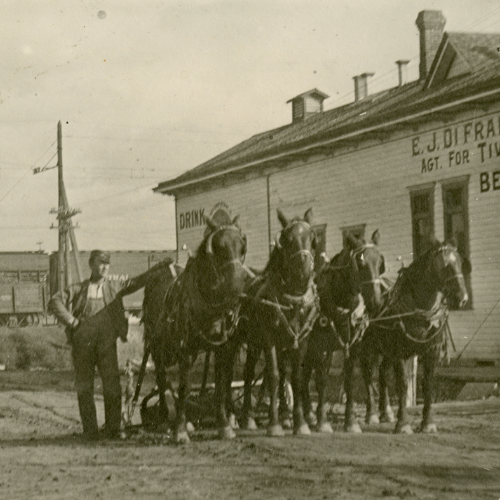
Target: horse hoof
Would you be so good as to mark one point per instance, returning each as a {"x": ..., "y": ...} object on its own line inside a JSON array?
[
  {"x": 227, "y": 433},
  {"x": 276, "y": 431},
  {"x": 286, "y": 423},
  {"x": 354, "y": 429},
  {"x": 302, "y": 430},
  {"x": 182, "y": 438},
  {"x": 233, "y": 422},
  {"x": 325, "y": 428},
  {"x": 189, "y": 428},
  {"x": 249, "y": 424},
  {"x": 404, "y": 429},
  {"x": 373, "y": 419},
  {"x": 429, "y": 429}
]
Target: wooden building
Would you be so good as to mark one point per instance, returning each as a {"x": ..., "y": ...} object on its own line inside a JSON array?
[{"x": 422, "y": 157}]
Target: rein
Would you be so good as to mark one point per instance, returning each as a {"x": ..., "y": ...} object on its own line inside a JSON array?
[
  {"x": 438, "y": 313},
  {"x": 296, "y": 303}
]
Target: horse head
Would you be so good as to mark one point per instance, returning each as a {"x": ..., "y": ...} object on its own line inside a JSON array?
[
  {"x": 370, "y": 264},
  {"x": 445, "y": 268},
  {"x": 220, "y": 259},
  {"x": 293, "y": 254},
  {"x": 339, "y": 283}
]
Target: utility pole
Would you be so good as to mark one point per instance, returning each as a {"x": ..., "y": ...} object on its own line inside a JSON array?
[
  {"x": 62, "y": 275},
  {"x": 65, "y": 227}
]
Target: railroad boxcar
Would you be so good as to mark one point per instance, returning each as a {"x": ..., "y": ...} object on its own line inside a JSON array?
[{"x": 24, "y": 292}]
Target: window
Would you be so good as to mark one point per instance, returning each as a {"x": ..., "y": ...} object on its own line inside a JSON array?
[
  {"x": 456, "y": 222},
  {"x": 358, "y": 231},
  {"x": 422, "y": 218}
]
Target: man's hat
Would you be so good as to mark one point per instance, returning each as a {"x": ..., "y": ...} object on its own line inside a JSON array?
[{"x": 104, "y": 257}]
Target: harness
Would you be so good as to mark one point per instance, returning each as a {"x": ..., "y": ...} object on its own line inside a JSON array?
[
  {"x": 185, "y": 304},
  {"x": 289, "y": 308},
  {"x": 355, "y": 320},
  {"x": 400, "y": 313}
]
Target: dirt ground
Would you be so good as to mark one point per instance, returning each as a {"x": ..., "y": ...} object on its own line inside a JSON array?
[{"x": 42, "y": 457}]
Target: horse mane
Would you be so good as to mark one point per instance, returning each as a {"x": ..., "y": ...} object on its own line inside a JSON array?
[{"x": 419, "y": 265}]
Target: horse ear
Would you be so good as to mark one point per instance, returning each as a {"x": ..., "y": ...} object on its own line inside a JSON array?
[
  {"x": 282, "y": 218},
  {"x": 210, "y": 224},
  {"x": 236, "y": 221},
  {"x": 376, "y": 237},
  {"x": 308, "y": 216}
]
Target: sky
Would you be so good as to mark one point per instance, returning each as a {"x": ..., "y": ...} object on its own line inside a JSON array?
[{"x": 146, "y": 90}]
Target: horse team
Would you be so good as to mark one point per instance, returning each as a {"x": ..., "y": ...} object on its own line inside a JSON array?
[{"x": 299, "y": 316}]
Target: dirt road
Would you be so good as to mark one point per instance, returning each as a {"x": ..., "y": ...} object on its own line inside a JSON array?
[{"x": 42, "y": 459}]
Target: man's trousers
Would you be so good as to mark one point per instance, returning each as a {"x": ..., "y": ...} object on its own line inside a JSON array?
[{"x": 94, "y": 344}]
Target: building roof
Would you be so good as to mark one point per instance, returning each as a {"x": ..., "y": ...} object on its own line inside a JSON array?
[{"x": 475, "y": 52}]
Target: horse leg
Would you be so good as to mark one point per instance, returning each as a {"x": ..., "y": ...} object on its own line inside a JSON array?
[
  {"x": 181, "y": 435},
  {"x": 351, "y": 423},
  {"x": 247, "y": 417},
  {"x": 272, "y": 377},
  {"x": 385, "y": 409},
  {"x": 300, "y": 426},
  {"x": 284, "y": 410},
  {"x": 223, "y": 370},
  {"x": 322, "y": 367},
  {"x": 307, "y": 370},
  {"x": 161, "y": 382},
  {"x": 230, "y": 406},
  {"x": 429, "y": 363},
  {"x": 402, "y": 425},
  {"x": 368, "y": 363}
]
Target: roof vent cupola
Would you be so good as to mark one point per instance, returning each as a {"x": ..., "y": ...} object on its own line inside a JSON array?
[
  {"x": 307, "y": 104},
  {"x": 430, "y": 23}
]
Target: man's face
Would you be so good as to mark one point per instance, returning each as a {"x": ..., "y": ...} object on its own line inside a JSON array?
[{"x": 99, "y": 268}]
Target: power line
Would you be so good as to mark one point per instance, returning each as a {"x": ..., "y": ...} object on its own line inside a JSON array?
[
  {"x": 12, "y": 188},
  {"x": 416, "y": 57}
]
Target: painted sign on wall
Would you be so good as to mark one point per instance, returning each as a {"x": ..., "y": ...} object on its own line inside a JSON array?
[{"x": 474, "y": 141}]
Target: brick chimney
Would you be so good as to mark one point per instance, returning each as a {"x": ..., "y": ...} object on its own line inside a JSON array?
[
  {"x": 430, "y": 23},
  {"x": 307, "y": 104},
  {"x": 361, "y": 86}
]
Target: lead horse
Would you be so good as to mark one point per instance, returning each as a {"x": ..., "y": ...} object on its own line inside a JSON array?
[
  {"x": 413, "y": 320},
  {"x": 199, "y": 311},
  {"x": 279, "y": 313}
]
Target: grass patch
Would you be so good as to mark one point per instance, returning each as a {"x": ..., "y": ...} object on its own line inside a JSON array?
[{"x": 33, "y": 348}]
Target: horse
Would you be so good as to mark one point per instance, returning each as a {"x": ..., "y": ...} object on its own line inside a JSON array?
[
  {"x": 341, "y": 325},
  {"x": 344, "y": 319},
  {"x": 413, "y": 320},
  {"x": 200, "y": 311},
  {"x": 278, "y": 315}
]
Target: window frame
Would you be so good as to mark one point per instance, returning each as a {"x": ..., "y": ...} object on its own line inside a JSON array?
[{"x": 416, "y": 191}]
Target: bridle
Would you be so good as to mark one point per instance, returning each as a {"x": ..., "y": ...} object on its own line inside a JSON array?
[
  {"x": 359, "y": 251},
  {"x": 300, "y": 252},
  {"x": 239, "y": 261}
]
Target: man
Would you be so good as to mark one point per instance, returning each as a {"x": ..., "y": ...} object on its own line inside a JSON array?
[{"x": 94, "y": 317}]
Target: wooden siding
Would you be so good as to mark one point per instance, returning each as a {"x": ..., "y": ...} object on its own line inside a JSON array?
[{"x": 248, "y": 200}]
